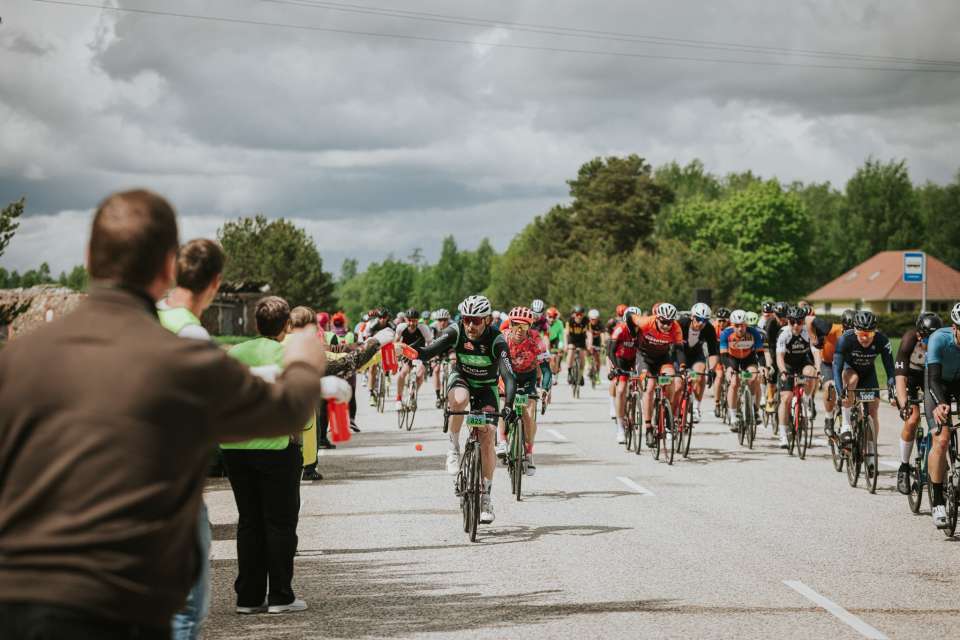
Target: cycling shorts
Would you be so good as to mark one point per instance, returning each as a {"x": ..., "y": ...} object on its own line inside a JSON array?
[
  {"x": 483, "y": 398},
  {"x": 654, "y": 365},
  {"x": 790, "y": 370},
  {"x": 914, "y": 385},
  {"x": 741, "y": 364},
  {"x": 866, "y": 378},
  {"x": 622, "y": 367},
  {"x": 526, "y": 382},
  {"x": 694, "y": 356},
  {"x": 826, "y": 372},
  {"x": 578, "y": 340},
  {"x": 554, "y": 345}
]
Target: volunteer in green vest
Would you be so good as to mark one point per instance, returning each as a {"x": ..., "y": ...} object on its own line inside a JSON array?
[
  {"x": 197, "y": 272},
  {"x": 345, "y": 336}
]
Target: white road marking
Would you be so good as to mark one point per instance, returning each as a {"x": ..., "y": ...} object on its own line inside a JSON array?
[
  {"x": 859, "y": 625},
  {"x": 633, "y": 485},
  {"x": 557, "y": 434}
]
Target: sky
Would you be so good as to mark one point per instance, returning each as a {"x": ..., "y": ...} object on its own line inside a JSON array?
[{"x": 464, "y": 121}]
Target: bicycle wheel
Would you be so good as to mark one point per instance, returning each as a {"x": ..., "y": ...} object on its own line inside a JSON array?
[
  {"x": 519, "y": 450},
  {"x": 915, "y": 497},
  {"x": 381, "y": 391},
  {"x": 741, "y": 422},
  {"x": 951, "y": 495},
  {"x": 412, "y": 411},
  {"x": 750, "y": 425},
  {"x": 687, "y": 425},
  {"x": 836, "y": 452},
  {"x": 637, "y": 419},
  {"x": 869, "y": 435},
  {"x": 667, "y": 431},
  {"x": 800, "y": 429},
  {"x": 510, "y": 459},
  {"x": 463, "y": 479},
  {"x": 791, "y": 432},
  {"x": 576, "y": 374},
  {"x": 628, "y": 423},
  {"x": 402, "y": 413},
  {"x": 474, "y": 492},
  {"x": 655, "y": 450},
  {"x": 852, "y": 454}
]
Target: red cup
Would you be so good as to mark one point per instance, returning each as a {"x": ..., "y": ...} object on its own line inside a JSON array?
[
  {"x": 338, "y": 415},
  {"x": 388, "y": 355}
]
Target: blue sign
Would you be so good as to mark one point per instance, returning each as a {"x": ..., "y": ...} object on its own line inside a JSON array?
[{"x": 913, "y": 266}]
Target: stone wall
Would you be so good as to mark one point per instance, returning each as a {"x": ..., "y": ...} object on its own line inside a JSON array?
[{"x": 47, "y": 302}]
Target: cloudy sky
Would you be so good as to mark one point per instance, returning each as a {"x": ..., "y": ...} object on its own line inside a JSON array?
[{"x": 383, "y": 144}]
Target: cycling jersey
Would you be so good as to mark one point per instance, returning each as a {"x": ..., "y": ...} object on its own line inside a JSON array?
[
  {"x": 827, "y": 335},
  {"x": 525, "y": 356},
  {"x": 795, "y": 349},
  {"x": 373, "y": 326},
  {"x": 739, "y": 348},
  {"x": 850, "y": 354},
  {"x": 912, "y": 355},
  {"x": 540, "y": 326},
  {"x": 556, "y": 334},
  {"x": 478, "y": 362},
  {"x": 578, "y": 331},
  {"x": 596, "y": 329},
  {"x": 943, "y": 364},
  {"x": 694, "y": 341},
  {"x": 655, "y": 343},
  {"x": 418, "y": 337},
  {"x": 622, "y": 343}
]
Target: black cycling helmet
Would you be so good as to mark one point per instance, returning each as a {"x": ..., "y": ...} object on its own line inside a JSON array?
[
  {"x": 806, "y": 310},
  {"x": 383, "y": 312},
  {"x": 846, "y": 319},
  {"x": 723, "y": 313},
  {"x": 767, "y": 306},
  {"x": 413, "y": 312},
  {"x": 927, "y": 323},
  {"x": 781, "y": 309},
  {"x": 796, "y": 313},
  {"x": 865, "y": 321},
  {"x": 577, "y": 308}
]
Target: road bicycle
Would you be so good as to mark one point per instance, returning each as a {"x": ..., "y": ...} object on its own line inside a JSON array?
[
  {"x": 864, "y": 430},
  {"x": 951, "y": 478},
  {"x": 408, "y": 397},
  {"x": 918, "y": 476},
  {"x": 685, "y": 412},
  {"x": 594, "y": 368},
  {"x": 720, "y": 409},
  {"x": 836, "y": 445},
  {"x": 633, "y": 411},
  {"x": 575, "y": 373},
  {"x": 800, "y": 428},
  {"x": 516, "y": 444},
  {"x": 381, "y": 388},
  {"x": 664, "y": 428},
  {"x": 468, "y": 484},
  {"x": 747, "y": 424}
]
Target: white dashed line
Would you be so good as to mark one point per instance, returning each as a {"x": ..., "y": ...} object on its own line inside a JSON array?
[
  {"x": 557, "y": 434},
  {"x": 841, "y": 613},
  {"x": 633, "y": 485}
]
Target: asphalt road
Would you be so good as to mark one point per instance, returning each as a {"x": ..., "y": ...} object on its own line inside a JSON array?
[{"x": 728, "y": 543}]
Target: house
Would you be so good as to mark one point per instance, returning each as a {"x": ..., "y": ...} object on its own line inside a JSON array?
[
  {"x": 47, "y": 301},
  {"x": 232, "y": 311},
  {"x": 877, "y": 285}
]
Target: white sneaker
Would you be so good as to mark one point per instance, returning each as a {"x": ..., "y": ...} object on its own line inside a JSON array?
[
  {"x": 502, "y": 451},
  {"x": 621, "y": 436},
  {"x": 263, "y": 608},
  {"x": 939, "y": 514},
  {"x": 530, "y": 468},
  {"x": 453, "y": 462},
  {"x": 486, "y": 511},
  {"x": 399, "y": 405},
  {"x": 296, "y": 605},
  {"x": 696, "y": 415},
  {"x": 783, "y": 441}
]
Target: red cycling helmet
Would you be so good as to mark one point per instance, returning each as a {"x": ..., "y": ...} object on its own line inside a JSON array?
[
  {"x": 553, "y": 313},
  {"x": 521, "y": 315},
  {"x": 621, "y": 309}
]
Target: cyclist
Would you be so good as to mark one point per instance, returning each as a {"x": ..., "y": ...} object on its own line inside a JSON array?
[
  {"x": 530, "y": 360},
  {"x": 824, "y": 336},
  {"x": 654, "y": 337},
  {"x": 414, "y": 334},
  {"x": 622, "y": 354},
  {"x": 379, "y": 320},
  {"x": 611, "y": 326},
  {"x": 482, "y": 355},
  {"x": 908, "y": 370},
  {"x": 722, "y": 322},
  {"x": 697, "y": 333},
  {"x": 598, "y": 335},
  {"x": 767, "y": 310},
  {"x": 773, "y": 327},
  {"x": 579, "y": 340},
  {"x": 740, "y": 348},
  {"x": 794, "y": 357},
  {"x": 555, "y": 334},
  {"x": 442, "y": 321},
  {"x": 943, "y": 383},
  {"x": 853, "y": 366}
]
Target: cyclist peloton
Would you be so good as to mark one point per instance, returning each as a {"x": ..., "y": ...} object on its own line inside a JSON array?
[
  {"x": 530, "y": 359},
  {"x": 908, "y": 370},
  {"x": 853, "y": 367},
  {"x": 579, "y": 340},
  {"x": 740, "y": 348},
  {"x": 697, "y": 332},
  {"x": 414, "y": 334},
  {"x": 794, "y": 357},
  {"x": 824, "y": 336},
  {"x": 943, "y": 384},
  {"x": 482, "y": 355}
]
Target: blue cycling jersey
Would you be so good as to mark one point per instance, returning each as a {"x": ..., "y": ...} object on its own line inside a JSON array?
[
  {"x": 943, "y": 350},
  {"x": 855, "y": 356}
]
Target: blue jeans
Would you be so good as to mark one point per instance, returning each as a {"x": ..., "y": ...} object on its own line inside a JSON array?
[{"x": 188, "y": 622}]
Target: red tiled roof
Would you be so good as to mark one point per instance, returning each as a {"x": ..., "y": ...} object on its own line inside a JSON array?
[{"x": 881, "y": 278}]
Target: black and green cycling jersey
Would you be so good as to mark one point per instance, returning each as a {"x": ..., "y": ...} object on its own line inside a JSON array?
[{"x": 478, "y": 362}]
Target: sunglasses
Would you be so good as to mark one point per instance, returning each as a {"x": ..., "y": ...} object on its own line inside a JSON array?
[
  {"x": 537, "y": 316},
  {"x": 739, "y": 325},
  {"x": 578, "y": 315},
  {"x": 474, "y": 320},
  {"x": 865, "y": 334},
  {"x": 796, "y": 322},
  {"x": 701, "y": 319}
]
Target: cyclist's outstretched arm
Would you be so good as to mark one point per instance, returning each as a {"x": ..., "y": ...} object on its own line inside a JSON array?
[
  {"x": 546, "y": 375},
  {"x": 502, "y": 353},
  {"x": 839, "y": 356},
  {"x": 447, "y": 340}
]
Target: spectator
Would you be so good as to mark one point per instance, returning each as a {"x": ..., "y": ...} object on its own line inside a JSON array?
[
  {"x": 345, "y": 336},
  {"x": 197, "y": 271},
  {"x": 303, "y": 317},
  {"x": 114, "y": 418}
]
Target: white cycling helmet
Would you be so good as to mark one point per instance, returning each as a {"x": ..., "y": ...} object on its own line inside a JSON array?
[
  {"x": 442, "y": 314},
  {"x": 630, "y": 310},
  {"x": 666, "y": 311},
  {"x": 955, "y": 314},
  {"x": 477, "y": 306},
  {"x": 402, "y": 315},
  {"x": 594, "y": 314},
  {"x": 433, "y": 315},
  {"x": 537, "y": 306},
  {"x": 701, "y": 310},
  {"x": 496, "y": 314},
  {"x": 738, "y": 317}
]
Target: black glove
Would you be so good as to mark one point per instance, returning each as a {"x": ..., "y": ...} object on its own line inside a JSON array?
[
  {"x": 891, "y": 389},
  {"x": 508, "y": 414},
  {"x": 610, "y": 376},
  {"x": 905, "y": 412},
  {"x": 711, "y": 376}
]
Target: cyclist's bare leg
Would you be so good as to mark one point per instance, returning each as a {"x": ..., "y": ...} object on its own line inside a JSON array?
[
  {"x": 829, "y": 397},
  {"x": 755, "y": 383},
  {"x": 402, "y": 377},
  {"x": 421, "y": 371},
  {"x": 372, "y": 377},
  {"x": 648, "y": 396},
  {"x": 621, "y": 399},
  {"x": 436, "y": 376},
  {"x": 530, "y": 423},
  {"x": 810, "y": 389},
  {"x": 734, "y": 380},
  {"x": 582, "y": 354},
  {"x": 909, "y": 432},
  {"x": 668, "y": 390},
  {"x": 488, "y": 456},
  {"x": 938, "y": 455},
  {"x": 700, "y": 384},
  {"x": 785, "y": 398}
]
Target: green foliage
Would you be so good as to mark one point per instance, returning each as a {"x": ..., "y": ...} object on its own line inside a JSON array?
[
  {"x": 881, "y": 211},
  {"x": 8, "y": 222},
  {"x": 36, "y": 277},
  {"x": 280, "y": 253},
  {"x": 77, "y": 280},
  {"x": 940, "y": 215},
  {"x": 347, "y": 270}
]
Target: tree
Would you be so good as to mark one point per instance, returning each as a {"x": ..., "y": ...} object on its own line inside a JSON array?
[
  {"x": 829, "y": 256},
  {"x": 35, "y": 277},
  {"x": 77, "y": 280},
  {"x": 882, "y": 210},
  {"x": 8, "y": 225},
  {"x": 940, "y": 212},
  {"x": 347, "y": 270},
  {"x": 279, "y": 253}
]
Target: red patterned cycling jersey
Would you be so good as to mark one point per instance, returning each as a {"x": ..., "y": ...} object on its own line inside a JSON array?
[
  {"x": 526, "y": 355},
  {"x": 626, "y": 343},
  {"x": 651, "y": 340}
]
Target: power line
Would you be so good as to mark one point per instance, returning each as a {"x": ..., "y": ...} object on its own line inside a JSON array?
[
  {"x": 501, "y": 45},
  {"x": 603, "y": 35}
]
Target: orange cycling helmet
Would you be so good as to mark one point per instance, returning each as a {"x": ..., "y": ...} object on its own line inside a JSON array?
[
  {"x": 553, "y": 313},
  {"x": 521, "y": 315},
  {"x": 621, "y": 309}
]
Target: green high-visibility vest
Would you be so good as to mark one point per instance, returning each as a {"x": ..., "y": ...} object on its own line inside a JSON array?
[
  {"x": 175, "y": 319},
  {"x": 259, "y": 353}
]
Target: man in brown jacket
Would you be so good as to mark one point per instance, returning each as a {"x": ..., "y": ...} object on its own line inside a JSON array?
[{"x": 107, "y": 421}]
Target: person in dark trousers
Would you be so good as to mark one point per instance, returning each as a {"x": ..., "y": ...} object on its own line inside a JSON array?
[{"x": 107, "y": 425}]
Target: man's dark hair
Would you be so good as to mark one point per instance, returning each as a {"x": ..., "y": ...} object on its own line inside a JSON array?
[
  {"x": 198, "y": 263},
  {"x": 132, "y": 233},
  {"x": 272, "y": 314}
]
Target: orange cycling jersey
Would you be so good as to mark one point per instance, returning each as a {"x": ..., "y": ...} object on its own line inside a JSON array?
[
  {"x": 830, "y": 343},
  {"x": 653, "y": 342}
]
